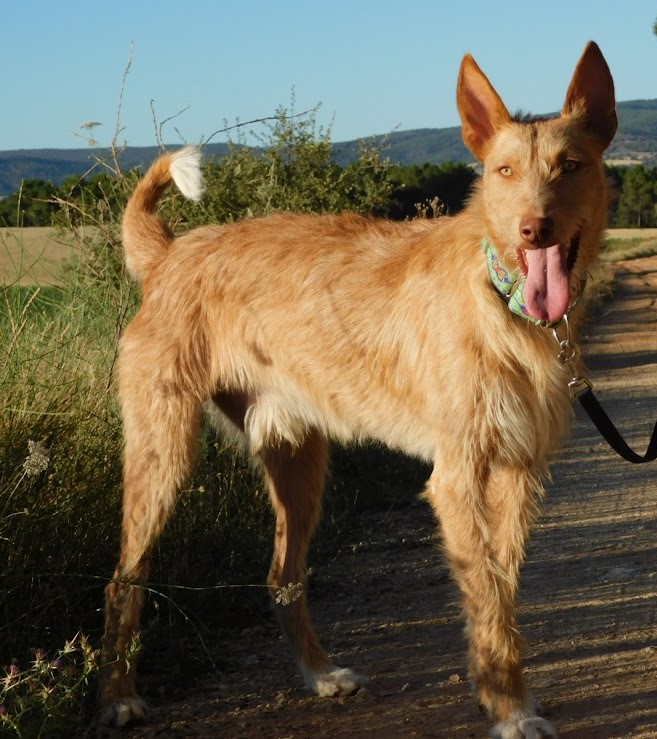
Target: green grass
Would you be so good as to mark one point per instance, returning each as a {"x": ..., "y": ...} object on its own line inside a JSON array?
[{"x": 56, "y": 537}]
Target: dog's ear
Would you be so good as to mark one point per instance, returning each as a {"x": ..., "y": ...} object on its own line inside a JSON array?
[
  {"x": 480, "y": 107},
  {"x": 592, "y": 91}
]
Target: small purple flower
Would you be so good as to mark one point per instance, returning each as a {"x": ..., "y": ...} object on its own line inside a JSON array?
[
  {"x": 40, "y": 655},
  {"x": 58, "y": 664},
  {"x": 3, "y": 710},
  {"x": 14, "y": 670}
]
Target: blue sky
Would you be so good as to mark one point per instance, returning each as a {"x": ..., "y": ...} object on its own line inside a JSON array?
[{"x": 374, "y": 65}]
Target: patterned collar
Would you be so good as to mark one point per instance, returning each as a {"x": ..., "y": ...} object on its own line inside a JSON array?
[{"x": 511, "y": 287}]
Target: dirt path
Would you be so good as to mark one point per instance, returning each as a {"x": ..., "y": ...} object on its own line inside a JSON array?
[{"x": 386, "y": 606}]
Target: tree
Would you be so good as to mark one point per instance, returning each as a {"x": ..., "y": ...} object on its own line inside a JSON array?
[
  {"x": 615, "y": 176},
  {"x": 98, "y": 198},
  {"x": 32, "y": 205},
  {"x": 638, "y": 200},
  {"x": 420, "y": 184}
]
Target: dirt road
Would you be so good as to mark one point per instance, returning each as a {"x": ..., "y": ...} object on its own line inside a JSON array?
[{"x": 386, "y": 606}]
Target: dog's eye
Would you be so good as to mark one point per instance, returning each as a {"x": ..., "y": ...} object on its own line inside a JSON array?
[
  {"x": 570, "y": 165},
  {"x": 506, "y": 171}
]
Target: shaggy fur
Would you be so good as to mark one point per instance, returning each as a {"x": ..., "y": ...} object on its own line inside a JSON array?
[{"x": 300, "y": 328}]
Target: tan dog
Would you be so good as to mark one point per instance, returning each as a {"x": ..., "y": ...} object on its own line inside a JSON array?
[{"x": 300, "y": 328}]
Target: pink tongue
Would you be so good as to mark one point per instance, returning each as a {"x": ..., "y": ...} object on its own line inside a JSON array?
[{"x": 547, "y": 288}]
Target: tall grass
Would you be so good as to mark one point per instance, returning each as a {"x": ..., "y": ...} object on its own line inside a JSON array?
[
  {"x": 59, "y": 485},
  {"x": 60, "y": 447},
  {"x": 61, "y": 443}
]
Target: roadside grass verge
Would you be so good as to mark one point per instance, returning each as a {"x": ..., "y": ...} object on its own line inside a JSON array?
[{"x": 617, "y": 250}]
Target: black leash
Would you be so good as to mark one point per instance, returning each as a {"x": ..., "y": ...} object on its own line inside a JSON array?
[
  {"x": 610, "y": 433},
  {"x": 580, "y": 388}
]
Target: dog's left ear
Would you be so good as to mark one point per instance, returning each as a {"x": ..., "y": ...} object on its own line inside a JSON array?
[
  {"x": 480, "y": 107},
  {"x": 592, "y": 90}
]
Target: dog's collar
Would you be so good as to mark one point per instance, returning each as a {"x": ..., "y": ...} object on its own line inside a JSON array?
[{"x": 511, "y": 286}]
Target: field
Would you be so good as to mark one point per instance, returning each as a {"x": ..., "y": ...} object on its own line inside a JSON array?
[{"x": 36, "y": 255}]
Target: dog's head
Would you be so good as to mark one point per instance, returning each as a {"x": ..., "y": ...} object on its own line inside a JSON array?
[{"x": 544, "y": 193}]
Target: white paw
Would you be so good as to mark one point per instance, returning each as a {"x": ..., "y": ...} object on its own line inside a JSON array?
[
  {"x": 523, "y": 725},
  {"x": 123, "y": 711},
  {"x": 334, "y": 681}
]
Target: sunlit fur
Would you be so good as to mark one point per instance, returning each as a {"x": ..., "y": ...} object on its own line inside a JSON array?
[{"x": 302, "y": 328}]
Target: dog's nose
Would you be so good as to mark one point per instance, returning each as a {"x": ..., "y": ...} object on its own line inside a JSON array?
[{"x": 536, "y": 231}]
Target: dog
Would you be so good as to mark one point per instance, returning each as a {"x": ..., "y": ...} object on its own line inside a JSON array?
[{"x": 430, "y": 336}]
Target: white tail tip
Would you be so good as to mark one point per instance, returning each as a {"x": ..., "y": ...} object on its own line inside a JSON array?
[{"x": 186, "y": 172}]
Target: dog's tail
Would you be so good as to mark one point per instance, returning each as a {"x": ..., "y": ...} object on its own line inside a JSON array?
[{"x": 146, "y": 237}]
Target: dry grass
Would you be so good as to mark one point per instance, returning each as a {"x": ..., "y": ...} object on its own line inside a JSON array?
[
  {"x": 34, "y": 255},
  {"x": 629, "y": 243},
  {"x": 631, "y": 233}
]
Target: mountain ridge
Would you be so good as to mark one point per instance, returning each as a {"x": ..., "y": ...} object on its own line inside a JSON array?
[{"x": 635, "y": 143}]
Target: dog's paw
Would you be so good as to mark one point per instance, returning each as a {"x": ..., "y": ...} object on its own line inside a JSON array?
[
  {"x": 334, "y": 681},
  {"x": 124, "y": 711},
  {"x": 523, "y": 725}
]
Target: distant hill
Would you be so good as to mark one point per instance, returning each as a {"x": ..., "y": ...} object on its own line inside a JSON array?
[
  {"x": 635, "y": 142},
  {"x": 637, "y": 133},
  {"x": 55, "y": 165}
]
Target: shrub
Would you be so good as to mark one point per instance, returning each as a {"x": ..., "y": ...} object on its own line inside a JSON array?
[{"x": 292, "y": 169}]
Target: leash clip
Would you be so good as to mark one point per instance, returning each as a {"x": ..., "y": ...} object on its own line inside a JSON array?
[
  {"x": 582, "y": 390},
  {"x": 577, "y": 386},
  {"x": 568, "y": 355}
]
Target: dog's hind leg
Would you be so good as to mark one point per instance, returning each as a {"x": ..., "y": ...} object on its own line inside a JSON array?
[
  {"x": 295, "y": 477},
  {"x": 485, "y": 518},
  {"x": 161, "y": 426}
]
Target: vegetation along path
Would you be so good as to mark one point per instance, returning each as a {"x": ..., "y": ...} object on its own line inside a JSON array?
[{"x": 386, "y": 606}]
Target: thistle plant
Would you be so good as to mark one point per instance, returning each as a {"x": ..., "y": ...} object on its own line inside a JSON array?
[{"x": 49, "y": 693}]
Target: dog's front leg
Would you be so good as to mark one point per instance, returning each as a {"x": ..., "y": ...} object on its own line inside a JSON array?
[{"x": 485, "y": 513}]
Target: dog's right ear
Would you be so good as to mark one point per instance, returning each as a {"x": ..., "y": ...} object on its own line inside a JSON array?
[{"x": 480, "y": 107}]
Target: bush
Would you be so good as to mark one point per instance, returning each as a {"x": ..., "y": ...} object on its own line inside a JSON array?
[{"x": 291, "y": 169}]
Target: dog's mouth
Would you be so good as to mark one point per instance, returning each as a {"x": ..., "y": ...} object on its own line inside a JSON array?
[{"x": 547, "y": 278}]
